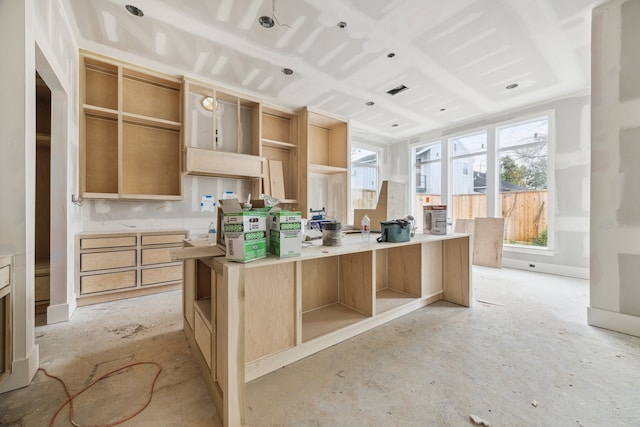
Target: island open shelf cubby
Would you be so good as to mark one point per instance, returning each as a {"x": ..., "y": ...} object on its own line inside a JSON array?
[{"x": 246, "y": 320}]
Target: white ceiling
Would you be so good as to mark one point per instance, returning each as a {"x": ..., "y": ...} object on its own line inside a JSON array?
[{"x": 456, "y": 55}]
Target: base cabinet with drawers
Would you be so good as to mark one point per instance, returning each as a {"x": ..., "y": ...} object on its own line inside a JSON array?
[{"x": 112, "y": 266}]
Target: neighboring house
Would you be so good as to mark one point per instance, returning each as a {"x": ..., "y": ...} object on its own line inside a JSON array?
[{"x": 480, "y": 184}]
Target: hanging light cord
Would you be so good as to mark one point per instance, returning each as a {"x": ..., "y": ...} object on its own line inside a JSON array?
[
  {"x": 70, "y": 397},
  {"x": 275, "y": 18}
]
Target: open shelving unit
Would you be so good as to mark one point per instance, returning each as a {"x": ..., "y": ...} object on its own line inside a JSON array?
[
  {"x": 324, "y": 161},
  {"x": 131, "y": 130},
  {"x": 336, "y": 292},
  {"x": 222, "y": 129},
  {"x": 279, "y": 146}
]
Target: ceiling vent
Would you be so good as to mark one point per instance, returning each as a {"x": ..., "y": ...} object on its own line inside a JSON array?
[{"x": 396, "y": 90}]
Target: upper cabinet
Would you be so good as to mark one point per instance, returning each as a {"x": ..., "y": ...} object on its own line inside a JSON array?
[
  {"x": 324, "y": 164},
  {"x": 222, "y": 132},
  {"x": 130, "y": 131},
  {"x": 279, "y": 146}
]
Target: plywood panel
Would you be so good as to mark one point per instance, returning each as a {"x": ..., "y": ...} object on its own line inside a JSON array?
[
  {"x": 101, "y": 87},
  {"x": 318, "y": 145},
  {"x": 203, "y": 338},
  {"x": 276, "y": 178},
  {"x": 338, "y": 146},
  {"x": 106, "y": 260},
  {"x": 189, "y": 290},
  {"x": 152, "y": 276},
  {"x": 463, "y": 226},
  {"x": 107, "y": 282},
  {"x": 321, "y": 321},
  {"x": 382, "y": 279},
  {"x": 405, "y": 269},
  {"x": 150, "y": 160},
  {"x": 223, "y": 164},
  {"x": 107, "y": 242},
  {"x": 488, "y": 238},
  {"x": 270, "y": 312},
  {"x": 319, "y": 282},
  {"x": 456, "y": 271},
  {"x": 276, "y": 128},
  {"x": 101, "y": 151},
  {"x": 150, "y": 99},
  {"x": 431, "y": 268},
  {"x": 356, "y": 282}
]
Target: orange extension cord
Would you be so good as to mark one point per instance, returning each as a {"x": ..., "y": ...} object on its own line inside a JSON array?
[{"x": 108, "y": 374}]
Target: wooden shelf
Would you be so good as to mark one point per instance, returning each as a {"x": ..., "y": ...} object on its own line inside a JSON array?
[
  {"x": 328, "y": 170},
  {"x": 222, "y": 164},
  {"x": 388, "y": 299},
  {"x": 324, "y": 320},
  {"x": 324, "y": 152},
  {"x": 204, "y": 307},
  {"x": 277, "y": 144},
  {"x": 93, "y": 110}
]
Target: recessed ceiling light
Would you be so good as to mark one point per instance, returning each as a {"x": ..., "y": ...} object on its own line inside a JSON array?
[
  {"x": 266, "y": 21},
  {"x": 443, "y": 109},
  {"x": 287, "y": 71},
  {"x": 134, "y": 10},
  {"x": 512, "y": 86},
  {"x": 395, "y": 125},
  {"x": 369, "y": 103},
  {"x": 342, "y": 24},
  {"x": 391, "y": 54}
]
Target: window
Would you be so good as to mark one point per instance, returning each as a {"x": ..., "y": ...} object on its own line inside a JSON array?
[
  {"x": 428, "y": 176},
  {"x": 469, "y": 152},
  {"x": 364, "y": 178},
  {"x": 524, "y": 160},
  {"x": 499, "y": 170}
]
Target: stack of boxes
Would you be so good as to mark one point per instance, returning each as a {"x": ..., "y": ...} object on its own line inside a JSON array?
[
  {"x": 285, "y": 233},
  {"x": 249, "y": 235},
  {"x": 245, "y": 235}
]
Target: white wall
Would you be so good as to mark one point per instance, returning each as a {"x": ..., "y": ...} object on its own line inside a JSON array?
[
  {"x": 17, "y": 174},
  {"x": 569, "y": 190},
  {"x": 615, "y": 169}
]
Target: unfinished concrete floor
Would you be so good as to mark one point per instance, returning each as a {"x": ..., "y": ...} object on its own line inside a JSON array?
[{"x": 523, "y": 357}]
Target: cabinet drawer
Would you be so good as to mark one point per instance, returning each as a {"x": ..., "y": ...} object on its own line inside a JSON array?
[
  {"x": 104, "y": 260},
  {"x": 156, "y": 256},
  {"x": 107, "y": 282},
  {"x": 152, "y": 276},
  {"x": 5, "y": 276},
  {"x": 163, "y": 239},
  {"x": 42, "y": 288},
  {"x": 107, "y": 242},
  {"x": 203, "y": 338}
]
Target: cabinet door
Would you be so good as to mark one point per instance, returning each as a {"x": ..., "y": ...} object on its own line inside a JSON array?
[{"x": 152, "y": 276}]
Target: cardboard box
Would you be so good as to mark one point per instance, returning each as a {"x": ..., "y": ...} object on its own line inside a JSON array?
[
  {"x": 245, "y": 235},
  {"x": 285, "y": 233},
  {"x": 434, "y": 219}
]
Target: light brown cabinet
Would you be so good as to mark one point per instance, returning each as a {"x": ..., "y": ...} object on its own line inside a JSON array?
[
  {"x": 119, "y": 265},
  {"x": 6, "y": 328},
  {"x": 279, "y": 146},
  {"x": 323, "y": 177},
  {"x": 221, "y": 130},
  {"x": 130, "y": 131}
]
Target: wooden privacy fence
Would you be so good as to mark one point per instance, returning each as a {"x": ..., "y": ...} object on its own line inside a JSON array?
[{"x": 524, "y": 212}]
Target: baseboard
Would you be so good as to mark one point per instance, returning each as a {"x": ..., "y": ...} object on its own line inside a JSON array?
[
  {"x": 22, "y": 371},
  {"x": 614, "y": 321},
  {"x": 542, "y": 267},
  {"x": 61, "y": 312}
]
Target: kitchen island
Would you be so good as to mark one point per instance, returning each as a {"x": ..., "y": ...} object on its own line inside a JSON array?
[{"x": 243, "y": 321}]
